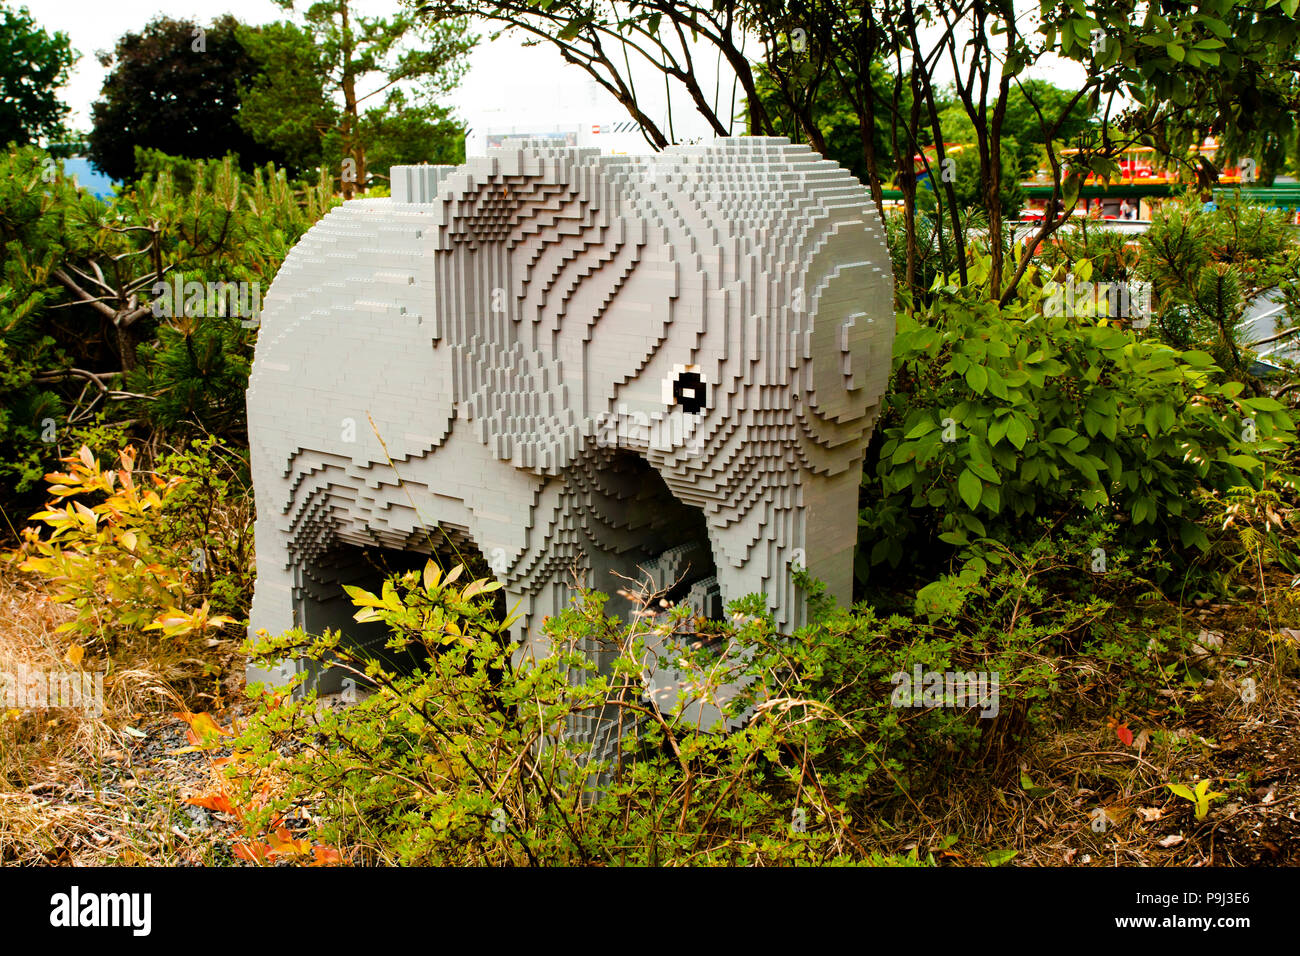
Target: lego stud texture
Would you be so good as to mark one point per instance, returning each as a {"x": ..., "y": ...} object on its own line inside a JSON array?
[{"x": 663, "y": 367}]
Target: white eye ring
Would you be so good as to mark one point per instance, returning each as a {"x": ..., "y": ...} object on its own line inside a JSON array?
[{"x": 686, "y": 388}]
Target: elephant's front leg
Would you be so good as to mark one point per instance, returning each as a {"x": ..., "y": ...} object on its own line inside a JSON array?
[{"x": 810, "y": 526}]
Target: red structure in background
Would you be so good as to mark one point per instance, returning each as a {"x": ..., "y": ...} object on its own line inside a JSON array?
[{"x": 1143, "y": 179}]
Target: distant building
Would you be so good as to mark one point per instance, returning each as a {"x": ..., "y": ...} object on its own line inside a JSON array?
[
  {"x": 612, "y": 137},
  {"x": 529, "y": 91},
  {"x": 1145, "y": 180}
]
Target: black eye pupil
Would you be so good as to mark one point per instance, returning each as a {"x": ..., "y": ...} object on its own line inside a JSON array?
[{"x": 690, "y": 392}]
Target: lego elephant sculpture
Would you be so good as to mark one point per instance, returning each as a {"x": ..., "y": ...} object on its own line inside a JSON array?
[{"x": 662, "y": 367}]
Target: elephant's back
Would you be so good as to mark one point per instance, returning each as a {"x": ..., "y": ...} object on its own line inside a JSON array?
[{"x": 347, "y": 361}]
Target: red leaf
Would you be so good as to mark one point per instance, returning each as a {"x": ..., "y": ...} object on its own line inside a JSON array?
[
  {"x": 326, "y": 856},
  {"x": 204, "y": 731},
  {"x": 252, "y": 852},
  {"x": 218, "y": 802},
  {"x": 1124, "y": 734},
  {"x": 283, "y": 844}
]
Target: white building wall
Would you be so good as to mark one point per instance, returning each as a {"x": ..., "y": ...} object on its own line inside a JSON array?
[{"x": 515, "y": 90}]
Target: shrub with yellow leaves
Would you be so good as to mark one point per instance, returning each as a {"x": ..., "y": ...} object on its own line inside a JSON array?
[{"x": 105, "y": 551}]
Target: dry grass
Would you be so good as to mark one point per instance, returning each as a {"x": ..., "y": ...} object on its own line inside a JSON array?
[
  {"x": 66, "y": 790},
  {"x": 1078, "y": 795},
  {"x": 81, "y": 789}
]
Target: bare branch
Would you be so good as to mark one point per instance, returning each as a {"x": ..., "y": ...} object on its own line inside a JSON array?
[{"x": 82, "y": 294}]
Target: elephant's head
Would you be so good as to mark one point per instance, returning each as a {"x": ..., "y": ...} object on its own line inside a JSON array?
[{"x": 723, "y": 310}]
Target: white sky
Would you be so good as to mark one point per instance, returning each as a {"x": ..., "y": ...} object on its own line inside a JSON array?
[{"x": 506, "y": 84}]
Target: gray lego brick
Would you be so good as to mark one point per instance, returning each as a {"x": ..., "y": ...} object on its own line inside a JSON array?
[{"x": 579, "y": 364}]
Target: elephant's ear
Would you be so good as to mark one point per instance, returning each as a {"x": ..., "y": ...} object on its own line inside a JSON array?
[
  {"x": 844, "y": 336},
  {"x": 532, "y": 248}
]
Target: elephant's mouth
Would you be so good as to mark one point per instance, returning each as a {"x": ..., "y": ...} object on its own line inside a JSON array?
[{"x": 659, "y": 546}]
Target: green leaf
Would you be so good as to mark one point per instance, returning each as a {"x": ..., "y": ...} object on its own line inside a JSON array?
[
  {"x": 481, "y": 586},
  {"x": 1182, "y": 791},
  {"x": 998, "y": 857},
  {"x": 1017, "y": 433},
  {"x": 1193, "y": 536},
  {"x": 1152, "y": 421},
  {"x": 362, "y": 598},
  {"x": 977, "y": 377},
  {"x": 904, "y": 452},
  {"x": 1093, "y": 498},
  {"x": 1070, "y": 189},
  {"x": 1032, "y": 789},
  {"x": 970, "y": 488},
  {"x": 1144, "y": 509},
  {"x": 573, "y": 28},
  {"x": 997, "y": 387}
]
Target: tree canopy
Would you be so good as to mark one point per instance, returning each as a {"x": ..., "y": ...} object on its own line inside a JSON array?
[
  {"x": 332, "y": 56},
  {"x": 174, "y": 86},
  {"x": 1163, "y": 74},
  {"x": 33, "y": 65}
]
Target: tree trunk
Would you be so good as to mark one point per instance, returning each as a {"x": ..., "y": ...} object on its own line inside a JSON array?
[
  {"x": 349, "y": 84},
  {"x": 867, "y": 127},
  {"x": 125, "y": 342}
]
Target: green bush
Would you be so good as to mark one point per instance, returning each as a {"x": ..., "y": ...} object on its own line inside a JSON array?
[
  {"x": 137, "y": 550},
  {"x": 80, "y": 339},
  {"x": 1000, "y": 415},
  {"x": 465, "y": 760},
  {"x": 1207, "y": 266}
]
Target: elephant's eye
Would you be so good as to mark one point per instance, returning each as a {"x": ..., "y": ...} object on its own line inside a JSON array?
[{"x": 687, "y": 388}]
